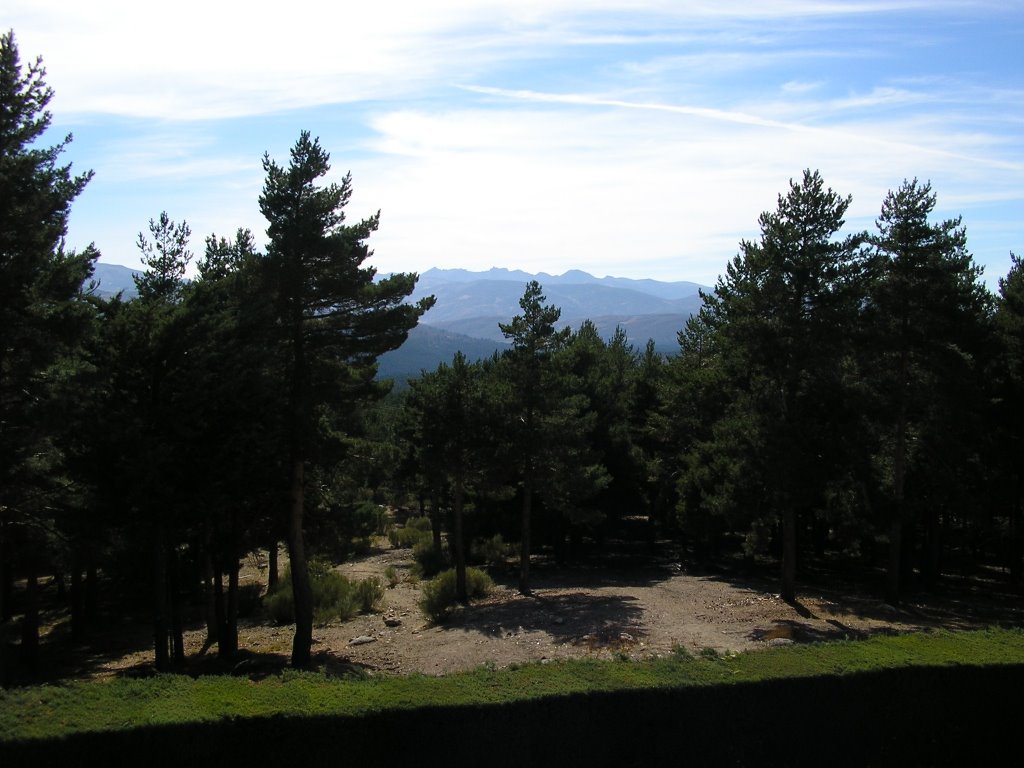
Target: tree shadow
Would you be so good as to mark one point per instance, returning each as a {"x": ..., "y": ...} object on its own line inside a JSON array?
[
  {"x": 580, "y": 618},
  {"x": 956, "y": 602}
]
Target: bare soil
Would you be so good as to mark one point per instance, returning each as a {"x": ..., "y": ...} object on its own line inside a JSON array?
[{"x": 609, "y": 607}]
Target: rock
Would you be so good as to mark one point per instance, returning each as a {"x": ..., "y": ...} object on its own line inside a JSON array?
[
  {"x": 392, "y": 621},
  {"x": 362, "y": 640},
  {"x": 780, "y": 641}
]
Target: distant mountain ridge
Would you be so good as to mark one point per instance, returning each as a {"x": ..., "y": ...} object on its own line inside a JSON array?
[
  {"x": 470, "y": 305},
  {"x": 663, "y": 290},
  {"x": 112, "y": 279}
]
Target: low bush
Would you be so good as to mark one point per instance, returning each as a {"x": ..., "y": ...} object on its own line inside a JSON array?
[
  {"x": 429, "y": 562},
  {"x": 334, "y": 596},
  {"x": 492, "y": 551},
  {"x": 369, "y": 594},
  {"x": 439, "y": 593},
  {"x": 416, "y": 530}
]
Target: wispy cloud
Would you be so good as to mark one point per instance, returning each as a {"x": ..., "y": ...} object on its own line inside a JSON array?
[{"x": 626, "y": 135}]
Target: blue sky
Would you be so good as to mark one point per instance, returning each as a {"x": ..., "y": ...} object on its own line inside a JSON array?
[{"x": 637, "y": 139}]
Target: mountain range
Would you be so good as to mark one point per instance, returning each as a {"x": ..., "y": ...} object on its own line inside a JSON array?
[{"x": 470, "y": 305}]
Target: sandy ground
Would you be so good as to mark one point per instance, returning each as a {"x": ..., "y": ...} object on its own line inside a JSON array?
[{"x": 600, "y": 611}]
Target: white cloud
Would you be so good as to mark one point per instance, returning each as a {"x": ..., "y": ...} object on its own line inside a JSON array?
[{"x": 633, "y": 137}]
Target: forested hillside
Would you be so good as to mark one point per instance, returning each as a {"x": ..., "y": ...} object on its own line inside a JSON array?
[{"x": 839, "y": 400}]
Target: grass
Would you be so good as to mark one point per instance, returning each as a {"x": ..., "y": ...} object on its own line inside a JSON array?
[{"x": 55, "y": 710}]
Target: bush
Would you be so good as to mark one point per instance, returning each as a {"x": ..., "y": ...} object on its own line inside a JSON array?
[
  {"x": 369, "y": 594},
  {"x": 493, "y": 551},
  {"x": 429, "y": 562},
  {"x": 416, "y": 530},
  {"x": 391, "y": 574},
  {"x": 334, "y": 596},
  {"x": 439, "y": 593}
]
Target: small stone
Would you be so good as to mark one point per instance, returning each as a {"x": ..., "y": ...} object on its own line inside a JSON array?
[
  {"x": 362, "y": 640},
  {"x": 392, "y": 621}
]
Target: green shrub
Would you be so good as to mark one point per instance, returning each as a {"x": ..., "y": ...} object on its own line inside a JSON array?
[
  {"x": 334, "y": 596},
  {"x": 369, "y": 594},
  {"x": 391, "y": 574},
  {"x": 416, "y": 530},
  {"x": 493, "y": 551},
  {"x": 429, "y": 561},
  {"x": 439, "y": 593},
  {"x": 421, "y": 523}
]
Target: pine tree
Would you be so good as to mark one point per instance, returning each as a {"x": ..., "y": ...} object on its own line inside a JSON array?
[
  {"x": 927, "y": 316},
  {"x": 1009, "y": 407},
  {"x": 333, "y": 319},
  {"x": 783, "y": 313},
  {"x": 42, "y": 312}
]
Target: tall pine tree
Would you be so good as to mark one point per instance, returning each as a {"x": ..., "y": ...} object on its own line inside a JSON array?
[
  {"x": 42, "y": 314},
  {"x": 333, "y": 319}
]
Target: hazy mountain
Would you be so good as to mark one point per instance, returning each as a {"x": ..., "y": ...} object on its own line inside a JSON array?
[
  {"x": 112, "y": 279},
  {"x": 663, "y": 328},
  {"x": 470, "y": 305},
  {"x": 426, "y": 347},
  {"x": 663, "y": 290},
  {"x": 500, "y": 298}
]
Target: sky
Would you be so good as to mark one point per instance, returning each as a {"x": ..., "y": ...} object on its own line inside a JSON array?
[{"x": 635, "y": 139}]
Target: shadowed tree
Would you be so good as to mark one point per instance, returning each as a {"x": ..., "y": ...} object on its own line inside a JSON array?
[
  {"x": 783, "y": 311},
  {"x": 42, "y": 314},
  {"x": 333, "y": 319},
  {"x": 926, "y": 318}
]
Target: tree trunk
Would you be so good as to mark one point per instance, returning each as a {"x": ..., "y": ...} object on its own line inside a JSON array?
[
  {"x": 899, "y": 460},
  {"x": 30, "y": 623},
  {"x": 524, "y": 547},
  {"x": 78, "y": 623},
  {"x": 435, "y": 525},
  {"x": 209, "y": 592},
  {"x": 92, "y": 593},
  {"x": 6, "y": 581},
  {"x": 272, "y": 566},
  {"x": 458, "y": 547},
  {"x": 932, "y": 550},
  {"x": 1017, "y": 532},
  {"x": 302, "y": 592},
  {"x": 788, "y": 554},
  {"x": 230, "y": 629},
  {"x": 161, "y": 656},
  {"x": 220, "y": 611},
  {"x": 177, "y": 628}
]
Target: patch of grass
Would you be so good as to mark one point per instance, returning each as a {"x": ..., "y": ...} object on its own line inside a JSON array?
[
  {"x": 392, "y": 577},
  {"x": 52, "y": 711}
]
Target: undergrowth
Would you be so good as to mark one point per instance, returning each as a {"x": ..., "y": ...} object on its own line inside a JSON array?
[
  {"x": 334, "y": 596},
  {"x": 439, "y": 594}
]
